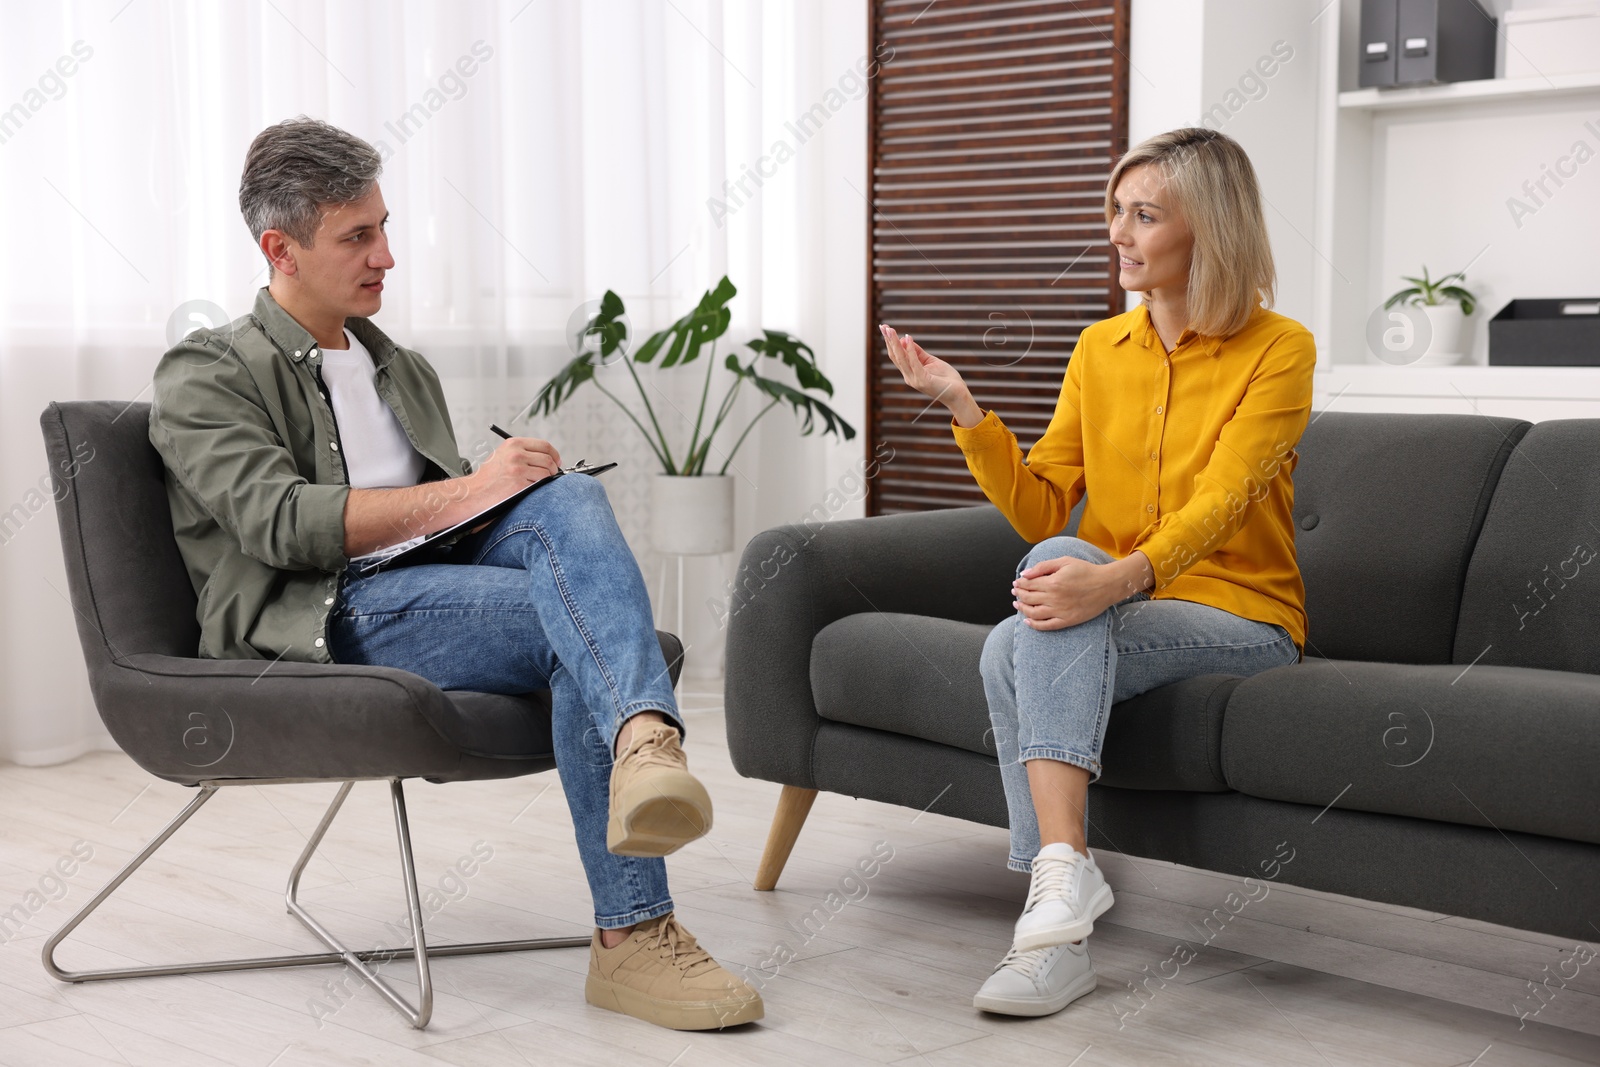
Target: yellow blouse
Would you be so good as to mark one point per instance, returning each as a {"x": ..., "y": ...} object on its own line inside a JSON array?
[{"x": 1188, "y": 457}]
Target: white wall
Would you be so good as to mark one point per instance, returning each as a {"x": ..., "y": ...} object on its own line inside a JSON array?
[
  {"x": 1218, "y": 84},
  {"x": 1274, "y": 118},
  {"x": 1165, "y": 76}
]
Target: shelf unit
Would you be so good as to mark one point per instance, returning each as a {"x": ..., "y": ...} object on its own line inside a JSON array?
[{"x": 1362, "y": 159}]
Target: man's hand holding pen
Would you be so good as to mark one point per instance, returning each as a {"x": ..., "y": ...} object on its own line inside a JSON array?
[{"x": 518, "y": 462}]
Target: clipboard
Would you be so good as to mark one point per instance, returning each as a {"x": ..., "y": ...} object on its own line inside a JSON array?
[{"x": 384, "y": 559}]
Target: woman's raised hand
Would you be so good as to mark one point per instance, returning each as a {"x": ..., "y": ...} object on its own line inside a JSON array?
[{"x": 932, "y": 377}]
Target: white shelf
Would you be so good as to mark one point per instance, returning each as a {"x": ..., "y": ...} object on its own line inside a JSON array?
[
  {"x": 1555, "y": 383},
  {"x": 1471, "y": 92},
  {"x": 1531, "y": 393}
]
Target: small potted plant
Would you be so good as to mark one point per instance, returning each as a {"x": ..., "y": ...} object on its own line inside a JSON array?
[
  {"x": 692, "y": 509},
  {"x": 1446, "y": 306}
]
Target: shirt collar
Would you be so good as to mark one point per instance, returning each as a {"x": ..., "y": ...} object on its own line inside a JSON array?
[
  {"x": 296, "y": 342},
  {"x": 1137, "y": 324}
]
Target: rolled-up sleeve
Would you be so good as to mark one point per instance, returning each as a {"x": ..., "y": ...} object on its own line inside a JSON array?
[
  {"x": 217, "y": 436},
  {"x": 1253, "y": 447}
]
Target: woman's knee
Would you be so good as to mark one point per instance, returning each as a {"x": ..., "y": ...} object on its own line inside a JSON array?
[{"x": 1064, "y": 545}]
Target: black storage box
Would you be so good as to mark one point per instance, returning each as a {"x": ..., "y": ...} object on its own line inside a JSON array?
[
  {"x": 1424, "y": 42},
  {"x": 1546, "y": 333}
]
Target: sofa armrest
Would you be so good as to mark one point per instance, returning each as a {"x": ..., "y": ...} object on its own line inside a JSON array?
[{"x": 794, "y": 580}]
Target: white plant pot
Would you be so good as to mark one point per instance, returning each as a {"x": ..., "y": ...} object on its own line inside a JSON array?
[
  {"x": 1448, "y": 326},
  {"x": 691, "y": 516}
]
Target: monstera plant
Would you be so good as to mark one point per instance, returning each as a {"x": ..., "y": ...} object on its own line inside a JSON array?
[{"x": 604, "y": 342}]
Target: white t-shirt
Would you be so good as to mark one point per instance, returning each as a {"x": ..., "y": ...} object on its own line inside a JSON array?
[{"x": 377, "y": 452}]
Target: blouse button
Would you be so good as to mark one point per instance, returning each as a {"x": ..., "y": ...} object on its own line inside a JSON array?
[
  {"x": 334, "y": 445},
  {"x": 1149, "y": 507},
  {"x": 1158, "y": 409},
  {"x": 319, "y": 642},
  {"x": 1154, "y": 456},
  {"x": 328, "y": 601}
]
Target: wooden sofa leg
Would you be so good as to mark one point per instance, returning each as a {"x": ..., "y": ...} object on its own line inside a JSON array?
[{"x": 794, "y": 804}]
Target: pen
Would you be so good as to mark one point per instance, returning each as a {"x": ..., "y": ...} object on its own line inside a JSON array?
[{"x": 582, "y": 464}]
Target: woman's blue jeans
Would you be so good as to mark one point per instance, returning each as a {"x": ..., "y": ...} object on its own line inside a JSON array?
[
  {"x": 1050, "y": 692},
  {"x": 547, "y": 597}
]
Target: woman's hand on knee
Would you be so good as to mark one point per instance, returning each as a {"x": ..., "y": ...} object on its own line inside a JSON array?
[{"x": 1057, "y": 593}]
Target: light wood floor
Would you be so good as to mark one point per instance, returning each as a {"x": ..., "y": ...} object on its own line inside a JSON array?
[{"x": 1297, "y": 978}]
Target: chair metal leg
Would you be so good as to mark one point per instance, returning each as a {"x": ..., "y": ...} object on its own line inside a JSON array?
[
  {"x": 420, "y": 1014},
  {"x": 49, "y": 952},
  {"x": 357, "y": 960}
]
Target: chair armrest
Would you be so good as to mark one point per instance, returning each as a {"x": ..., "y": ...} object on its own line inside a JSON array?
[{"x": 794, "y": 580}]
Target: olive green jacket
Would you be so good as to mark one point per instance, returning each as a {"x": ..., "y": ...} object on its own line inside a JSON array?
[{"x": 255, "y": 479}]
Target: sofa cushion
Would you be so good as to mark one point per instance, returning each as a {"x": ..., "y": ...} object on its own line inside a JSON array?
[
  {"x": 1532, "y": 594},
  {"x": 1386, "y": 510},
  {"x": 918, "y": 676},
  {"x": 907, "y": 674},
  {"x": 1513, "y": 748}
]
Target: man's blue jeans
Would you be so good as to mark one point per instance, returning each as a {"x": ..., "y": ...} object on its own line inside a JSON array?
[
  {"x": 547, "y": 597},
  {"x": 1050, "y": 691}
]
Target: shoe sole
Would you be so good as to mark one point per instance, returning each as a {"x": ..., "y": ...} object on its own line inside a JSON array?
[
  {"x": 1051, "y": 936},
  {"x": 674, "y": 1015},
  {"x": 660, "y": 818},
  {"x": 1034, "y": 1006}
]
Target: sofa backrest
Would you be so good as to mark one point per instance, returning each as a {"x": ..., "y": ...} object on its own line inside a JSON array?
[
  {"x": 1387, "y": 508},
  {"x": 1532, "y": 596}
]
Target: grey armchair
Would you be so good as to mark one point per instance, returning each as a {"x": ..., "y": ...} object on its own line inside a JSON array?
[{"x": 212, "y": 723}]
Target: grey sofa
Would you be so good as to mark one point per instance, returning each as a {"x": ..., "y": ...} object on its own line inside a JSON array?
[{"x": 1438, "y": 747}]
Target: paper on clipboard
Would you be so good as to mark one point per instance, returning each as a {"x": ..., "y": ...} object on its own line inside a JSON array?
[{"x": 408, "y": 551}]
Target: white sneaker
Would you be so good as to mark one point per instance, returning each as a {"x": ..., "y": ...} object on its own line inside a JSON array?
[
  {"x": 1040, "y": 982},
  {"x": 1067, "y": 894}
]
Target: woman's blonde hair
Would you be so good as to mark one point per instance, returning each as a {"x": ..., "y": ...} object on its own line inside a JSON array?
[{"x": 1210, "y": 181}]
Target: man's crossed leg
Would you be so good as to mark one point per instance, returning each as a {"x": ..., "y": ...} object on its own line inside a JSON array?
[{"x": 550, "y": 597}]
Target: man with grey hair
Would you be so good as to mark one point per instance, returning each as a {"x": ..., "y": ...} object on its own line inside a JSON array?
[{"x": 300, "y": 439}]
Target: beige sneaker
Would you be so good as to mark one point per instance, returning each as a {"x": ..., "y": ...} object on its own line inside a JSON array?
[
  {"x": 657, "y": 806},
  {"x": 660, "y": 974}
]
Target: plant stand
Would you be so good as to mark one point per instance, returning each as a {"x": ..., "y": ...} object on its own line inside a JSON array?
[{"x": 689, "y": 516}]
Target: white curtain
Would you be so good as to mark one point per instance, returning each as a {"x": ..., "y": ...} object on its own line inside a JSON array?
[{"x": 538, "y": 152}]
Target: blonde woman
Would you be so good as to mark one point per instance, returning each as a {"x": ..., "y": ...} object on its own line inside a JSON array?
[{"x": 1179, "y": 420}]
